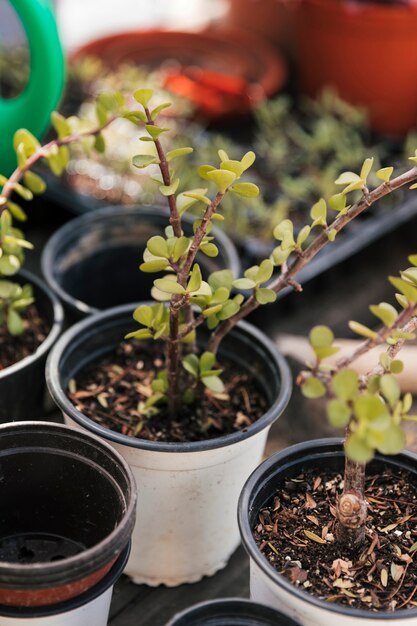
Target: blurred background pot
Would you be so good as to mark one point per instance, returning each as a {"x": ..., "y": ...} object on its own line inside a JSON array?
[
  {"x": 22, "y": 385},
  {"x": 187, "y": 525},
  {"x": 230, "y": 612},
  {"x": 92, "y": 262},
  {"x": 68, "y": 510},
  {"x": 367, "y": 51}
]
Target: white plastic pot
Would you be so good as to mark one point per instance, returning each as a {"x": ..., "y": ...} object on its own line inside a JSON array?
[
  {"x": 267, "y": 586},
  {"x": 188, "y": 492},
  {"x": 90, "y": 609}
]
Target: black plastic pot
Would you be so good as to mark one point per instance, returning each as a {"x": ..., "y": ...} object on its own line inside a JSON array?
[
  {"x": 267, "y": 585},
  {"x": 92, "y": 262},
  {"x": 231, "y": 612},
  {"x": 22, "y": 385},
  {"x": 68, "y": 511},
  {"x": 23, "y": 613}
]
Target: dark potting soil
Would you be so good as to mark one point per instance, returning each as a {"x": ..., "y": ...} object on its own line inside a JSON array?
[
  {"x": 112, "y": 392},
  {"x": 14, "y": 349},
  {"x": 296, "y": 533}
]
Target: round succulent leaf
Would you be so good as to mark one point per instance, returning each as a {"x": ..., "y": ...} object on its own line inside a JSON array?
[
  {"x": 390, "y": 388},
  {"x": 303, "y": 235},
  {"x": 212, "y": 310},
  {"x": 142, "y": 96},
  {"x": 362, "y": 330},
  {"x": 313, "y": 388},
  {"x": 405, "y": 288},
  {"x": 221, "y": 278},
  {"x": 180, "y": 248},
  {"x": 14, "y": 323},
  {"x": 324, "y": 352},
  {"x": 191, "y": 364},
  {"x": 233, "y": 166},
  {"x": 247, "y": 190},
  {"x": 213, "y": 383},
  {"x": 221, "y": 178},
  {"x": 345, "y": 384},
  {"x": 410, "y": 274},
  {"x": 155, "y": 131},
  {"x": 8, "y": 290},
  {"x": 279, "y": 256},
  {"x": 331, "y": 235},
  {"x": 158, "y": 246},
  {"x": 265, "y": 296},
  {"x": 318, "y": 212},
  {"x": 244, "y": 283},
  {"x": 366, "y": 168},
  {"x": 153, "y": 266},
  {"x": 358, "y": 450},
  {"x": 413, "y": 259},
  {"x": 248, "y": 159},
  {"x": 264, "y": 272},
  {"x": 34, "y": 182},
  {"x": 204, "y": 170},
  {"x": 385, "y": 312},
  {"x": 29, "y": 141},
  {"x": 221, "y": 294},
  {"x": 9, "y": 265},
  {"x": 284, "y": 229},
  {"x": 207, "y": 360},
  {"x": 338, "y": 413},
  {"x": 143, "y": 160},
  {"x": 169, "y": 190},
  {"x": 142, "y": 333},
  {"x": 393, "y": 440},
  {"x": 385, "y": 173},
  {"x": 337, "y": 202},
  {"x": 17, "y": 211},
  {"x": 369, "y": 407},
  {"x": 396, "y": 366},
  {"x": 195, "y": 280},
  {"x": 144, "y": 315},
  {"x": 168, "y": 284},
  {"x": 209, "y": 249},
  {"x": 348, "y": 178},
  {"x": 229, "y": 309},
  {"x": 407, "y": 402},
  {"x": 60, "y": 124},
  {"x": 402, "y": 300},
  {"x": 321, "y": 336}
]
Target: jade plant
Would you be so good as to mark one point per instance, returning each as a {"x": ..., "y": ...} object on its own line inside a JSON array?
[
  {"x": 23, "y": 182},
  {"x": 183, "y": 300},
  {"x": 369, "y": 407}
]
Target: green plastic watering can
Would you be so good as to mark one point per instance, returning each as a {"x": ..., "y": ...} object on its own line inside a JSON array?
[{"x": 32, "y": 108}]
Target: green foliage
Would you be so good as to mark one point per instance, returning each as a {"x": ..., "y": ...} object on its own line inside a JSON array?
[
  {"x": 14, "y": 299},
  {"x": 203, "y": 370}
]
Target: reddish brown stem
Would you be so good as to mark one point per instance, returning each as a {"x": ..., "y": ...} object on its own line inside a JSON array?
[
  {"x": 285, "y": 278},
  {"x": 351, "y": 506}
]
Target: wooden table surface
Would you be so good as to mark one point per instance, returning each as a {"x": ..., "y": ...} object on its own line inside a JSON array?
[{"x": 342, "y": 293}]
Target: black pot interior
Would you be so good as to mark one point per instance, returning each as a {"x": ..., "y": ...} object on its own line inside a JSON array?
[
  {"x": 59, "y": 495},
  {"x": 98, "y": 261}
]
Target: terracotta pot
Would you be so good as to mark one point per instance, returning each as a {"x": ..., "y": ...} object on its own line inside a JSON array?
[
  {"x": 186, "y": 526},
  {"x": 368, "y": 52}
]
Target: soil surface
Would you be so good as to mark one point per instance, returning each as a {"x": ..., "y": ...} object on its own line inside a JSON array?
[
  {"x": 14, "y": 349},
  {"x": 296, "y": 533},
  {"x": 112, "y": 392}
]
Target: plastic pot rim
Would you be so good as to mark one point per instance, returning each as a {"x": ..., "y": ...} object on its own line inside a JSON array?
[
  {"x": 59, "y": 396},
  {"x": 246, "y": 512},
  {"x": 250, "y": 607},
  {"x": 53, "y": 245},
  {"x": 54, "y": 332},
  {"x": 37, "y": 576},
  {"x": 74, "y": 603}
]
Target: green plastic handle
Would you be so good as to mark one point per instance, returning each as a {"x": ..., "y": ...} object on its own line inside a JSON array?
[{"x": 32, "y": 108}]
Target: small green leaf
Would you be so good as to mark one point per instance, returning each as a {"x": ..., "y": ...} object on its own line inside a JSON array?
[
  {"x": 99, "y": 143},
  {"x": 321, "y": 336},
  {"x": 213, "y": 383},
  {"x": 244, "y": 283},
  {"x": 191, "y": 364},
  {"x": 265, "y": 296},
  {"x": 366, "y": 168},
  {"x": 385, "y": 173},
  {"x": 390, "y": 389},
  {"x": 209, "y": 249},
  {"x": 14, "y": 323},
  {"x": 313, "y": 388},
  {"x": 233, "y": 166},
  {"x": 385, "y": 312},
  {"x": 405, "y": 288},
  {"x": 204, "y": 171},
  {"x": 161, "y": 107},
  {"x": 143, "y": 96},
  {"x": 179, "y": 152},
  {"x": 142, "y": 333},
  {"x": 248, "y": 159},
  {"x": 221, "y": 178},
  {"x": 144, "y": 315},
  {"x": 396, "y": 367},
  {"x": 319, "y": 213},
  {"x": 29, "y": 141},
  {"x": 167, "y": 285},
  {"x": 362, "y": 330},
  {"x": 195, "y": 281},
  {"x": 60, "y": 124},
  {"x": 207, "y": 360},
  {"x": 23, "y": 192},
  {"x": 153, "y": 266},
  {"x": 338, "y": 413},
  {"x": 247, "y": 190},
  {"x": 17, "y": 211},
  {"x": 264, "y": 272},
  {"x": 357, "y": 449},
  {"x": 169, "y": 190},
  {"x": 143, "y": 160},
  {"x": 158, "y": 246},
  {"x": 345, "y": 384},
  {"x": 331, "y": 235},
  {"x": 34, "y": 182},
  {"x": 302, "y": 235},
  {"x": 393, "y": 440},
  {"x": 155, "y": 131}
]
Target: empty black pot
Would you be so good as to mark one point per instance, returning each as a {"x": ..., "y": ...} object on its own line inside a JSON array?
[
  {"x": 92, "y": 262},
  {"x": 22, "y": 385},
  {"x": 231, "y": 612},
  {"x": 68, "y": 511}
]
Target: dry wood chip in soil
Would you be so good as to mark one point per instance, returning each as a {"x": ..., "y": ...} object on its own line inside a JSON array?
[
  {"x": 113, "y": 391},
  {"x": 298, "y": 540}
]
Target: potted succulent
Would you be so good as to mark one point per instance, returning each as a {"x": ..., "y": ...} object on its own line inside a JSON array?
[
  {"x": 164, "y": 405},
  {"x": 69, "y": 510},
  {"x": 355, "y": 523},
  {"x": 361, "y": 56},
  {"x": 230, "y": 611},
  {"x": 31, "y": 317}
]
